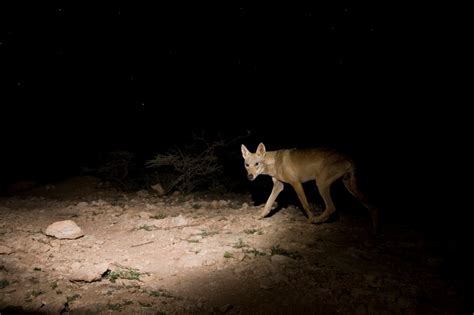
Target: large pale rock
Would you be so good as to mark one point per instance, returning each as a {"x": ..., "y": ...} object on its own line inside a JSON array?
[{"x": 67, "y": 229}]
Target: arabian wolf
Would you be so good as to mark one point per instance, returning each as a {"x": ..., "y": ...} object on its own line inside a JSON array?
[{"x": 296, "y": 167}]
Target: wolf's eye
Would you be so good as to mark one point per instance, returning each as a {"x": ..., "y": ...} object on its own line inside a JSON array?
[
  {"x": 256, "y": 164},
  {"x": 246, "y": 164}
]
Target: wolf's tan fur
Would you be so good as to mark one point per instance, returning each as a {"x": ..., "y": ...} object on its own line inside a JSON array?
[{"x": 296, "y": 167}]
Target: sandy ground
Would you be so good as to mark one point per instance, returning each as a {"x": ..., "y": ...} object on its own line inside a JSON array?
[{"x": 143, "y": 254}]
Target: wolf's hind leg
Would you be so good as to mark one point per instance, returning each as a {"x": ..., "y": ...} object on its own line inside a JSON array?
[
  {"x": 350, "y": 181},
  {"x": 301, "y": 195},
  {"x": 330, "y": 208}
]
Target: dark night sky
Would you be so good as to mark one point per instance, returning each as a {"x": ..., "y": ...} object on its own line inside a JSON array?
[{"x": 81, "y": 78}]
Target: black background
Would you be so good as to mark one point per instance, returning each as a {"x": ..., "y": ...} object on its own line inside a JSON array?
[{"x": 370, "y": 79}]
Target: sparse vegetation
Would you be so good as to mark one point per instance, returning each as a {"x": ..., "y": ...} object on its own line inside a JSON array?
[
  {"x": 4, "y": 283},
  {"x": 158, "y": 216},
  {"x": 240, "y": 244},
  {"x": 146, "y": 227},
  {"x": 34, "y": 280},
  {"x": 115, "y": 167},
  {"x": 114, "y": 306},
  {"x": 35, "y": 293},
  {"x": 253, "y": 231},
  {"x": 277, "y": 250},
  {"x": 143, "y": 304},
  {"x": 208, "y": 233},
  {"x": 186, "y": 168},
  {"x": 123, "y": 273},
  {"x": 254, "y": 252},
  {"x": 72, "y": 298},
  {"x": 160, "y": 293},
  {"x": 228, "y": 255},
  {"x": 193, "y": 166}
]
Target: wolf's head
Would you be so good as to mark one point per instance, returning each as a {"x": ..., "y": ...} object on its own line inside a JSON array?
[{"x": 254, "y": 161}]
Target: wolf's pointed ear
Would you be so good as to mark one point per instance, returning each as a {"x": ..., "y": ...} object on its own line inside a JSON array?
[
  {"x": 245, "y": 151},
  {"x": 261, "y": 149}
]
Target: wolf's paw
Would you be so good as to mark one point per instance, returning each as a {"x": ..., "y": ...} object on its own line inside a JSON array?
[
  {"x": 319, "y": 219},
  {"x": 316, "y": 208}
]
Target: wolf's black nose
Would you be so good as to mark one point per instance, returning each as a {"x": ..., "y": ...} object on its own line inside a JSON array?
[{"x": 250, "y": 176}]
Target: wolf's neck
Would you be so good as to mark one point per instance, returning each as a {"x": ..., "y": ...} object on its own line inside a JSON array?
[{"x": 269, "y": 162}]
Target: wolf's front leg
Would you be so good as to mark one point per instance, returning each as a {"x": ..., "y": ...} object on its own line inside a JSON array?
[{"x": 277, "y": 188}]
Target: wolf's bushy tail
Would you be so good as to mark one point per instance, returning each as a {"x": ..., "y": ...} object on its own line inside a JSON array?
[{"x": 350, "y": 181}]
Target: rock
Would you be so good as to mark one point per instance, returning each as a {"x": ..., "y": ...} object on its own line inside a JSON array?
[
  {"x": 150, "y": 206},
  {"x": 240, "y": 256},
  {"x": 209, "y": 262},
  {"x": 223, "y": 203},
  {"x": 159, "y": 189},
  {"x": 178, "y": 221},
  {"x": 192, "y": 261},
  {"x": 5, "y": 250},
  {"x": 67, "y": 229},
  {"x": 99, "y": 203},
  {"x": 176, "y": 193},
  {"x": 82, "y": 204},
  {"x": 144, "y": 215},
  {"x": 143, "y": 193},
  {"x": 404, "y": 302},
  {"x": 88, "y": 273},
  {"x": 279, "y": 259},
  {"x": 226, "y": 308}
]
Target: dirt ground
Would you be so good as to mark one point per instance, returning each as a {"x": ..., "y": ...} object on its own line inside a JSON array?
[{"x": 144, "y": 254}]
